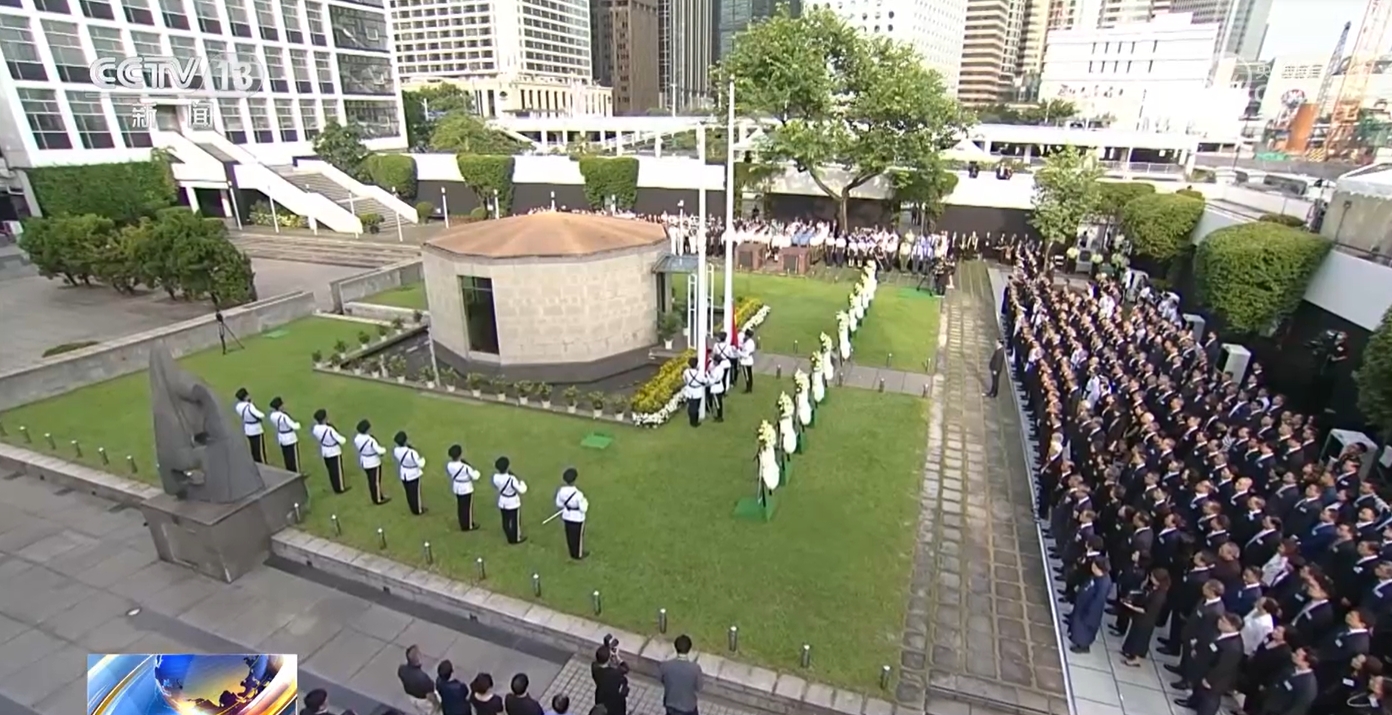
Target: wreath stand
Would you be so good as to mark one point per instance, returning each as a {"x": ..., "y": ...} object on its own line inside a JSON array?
[{"x": 762, "y": 505}]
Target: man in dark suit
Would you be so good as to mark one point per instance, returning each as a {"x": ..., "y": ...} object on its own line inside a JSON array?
[
  {"x": 1261, "y": 546},
  {"x": 1200, "y": 630},
  {"x": 996, "y": 365},
  {"x": 1297, "y": 692},
  {"x": 1315, "y": 619},
  {"x": 1218, "y": 666},
  {"x": 1341, "y": 646},
  {"x": 1187, "y": 597}
]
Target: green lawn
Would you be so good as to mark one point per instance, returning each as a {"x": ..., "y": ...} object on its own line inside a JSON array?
[
  {"x": 407, "y": 296},
  {"x": 830, "y": 570},
  {"x": 900, "y": 330}
]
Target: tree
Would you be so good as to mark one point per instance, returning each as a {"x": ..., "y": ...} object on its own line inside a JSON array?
[
  {"x": 463, "y": 133},
  {"x": 840, "y": 100},
  {"x": 341, "y": 145},
  {"x": 1160, "y": 226},
  {"x": 66, "y": 246},
  {"x": 425, "y": 107},
  {"x": 1052, "y": 111},
  {"x": 1254, "y": 275},
  {"x": 1113, "y": 196},
  {"x": 1066, "y": 193},
  {"x": 1374, "y": 378}
]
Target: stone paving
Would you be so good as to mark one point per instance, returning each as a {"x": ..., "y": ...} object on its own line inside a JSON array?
[
  {"x": 865, "y": 377},
  {"x": 644, "y": 695}
]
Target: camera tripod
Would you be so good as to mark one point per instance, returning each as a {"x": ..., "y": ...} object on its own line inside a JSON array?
[{"x": 224, "y": 330}]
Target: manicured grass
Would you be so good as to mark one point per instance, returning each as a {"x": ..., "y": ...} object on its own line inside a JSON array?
[
  {"x": 901, "y": 329},
  {"x": 407, "y": 296},
  {"x": 829, "y": 570}
]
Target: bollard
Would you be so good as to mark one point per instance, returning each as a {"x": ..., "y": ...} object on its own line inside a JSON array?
[
  {"x": 48, "y": 437},
  {"x": 295, "y": 508},
  {"x": 105, "y": 459},
  {"x": 882, "y": 384},
  {"x": 884, "y": 677},
  {"x": 795, "y": 348},
  {"x": 25, "y": 431},
  {"x": 597, "y": 603},
  {"x": 778, "y": 373},
  {"x": 338, "y": 528},
  {"x": 429, "y": 555},
  {"x": 806, "y": 656},
  {"x": 536, "y": 585},
  {"x": 77, "y": 449},
  {"x": 925, "y": 390},
  {"x": 130, "y": 462},
  {"x": 889, "y": 359},
  {"x": 661, "y": 620},
  {"x": 479, "y": 569},
  {"x": 841, "y": 376},
  {"x": 381, "y": 538},
  {"x": 733, "y": 639}
]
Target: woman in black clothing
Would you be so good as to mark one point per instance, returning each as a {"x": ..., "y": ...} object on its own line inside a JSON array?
[
  {"x": 1145, "y": 608},
  {"x": 482, "y": 698},
  {"x": 1265, "y": 668}
]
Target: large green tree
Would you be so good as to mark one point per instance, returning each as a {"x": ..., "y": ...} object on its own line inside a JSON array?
[
  {"x": 426, "y": 106},
  {"x": 465, "y": 133},
  {"x": 1066, "y": 193},
  {"x": 839, "y": 100},
  {"x": 341, "y": 146},
  {"x": 1374, "y": 379}
]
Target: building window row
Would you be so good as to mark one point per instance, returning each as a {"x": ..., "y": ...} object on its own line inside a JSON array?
[{"x": 174, "y": 14}]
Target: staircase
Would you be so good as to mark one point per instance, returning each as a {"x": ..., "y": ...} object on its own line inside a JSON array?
[
  {"x": 317, "y": 183},
  {"x": 326, "y": 251}
]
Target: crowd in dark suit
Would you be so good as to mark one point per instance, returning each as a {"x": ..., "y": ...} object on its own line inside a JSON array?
[{"x": 1192, "y": 506}]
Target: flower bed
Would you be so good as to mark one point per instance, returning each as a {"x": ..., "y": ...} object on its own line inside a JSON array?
[{"x": 655, "y": 402}]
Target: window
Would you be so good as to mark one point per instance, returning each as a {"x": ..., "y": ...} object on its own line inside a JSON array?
[
  {"x": 68, "y": 56},
  {"x": 261, "y": 121},
  {"x": 365, "y": 75},
  {"x": 186, "y": 48},
  {"x": 138, "y": 12},
  {"x": 1150, "y": 66},
  {"x": 358, "y": 29},
  {"x": 174, "y": 15},
  {"x": 246, "y": 55},
  {"x": 314, "y": 14},
  {"x": 45, "y": 118},
  {"x": 377, "y": 118},
  {"x": 20, "y": 52},
  {"x": 238, "y": 18},
  {"x": 275, "y": 68},
  {"x": 299, "y": 70},
  {"x": 131, "y": 118},
  {"x": 285, "y": 119},
  {"x": 232, "y": 124},
  {"x": 97, "y": 10},
  {"x": 309, "y": 118},
  {"x": 265, "y": 19},
  {"x": 324, "y": 67},
  {"x": 60, "y": 6},
  {"x": 331, "y": 111},
  {"x": 90, "y": 119},
  {"x": 480, "y": 321},
  {"x": 290, "y": 17},
  {"x": 207, "y": 13}
]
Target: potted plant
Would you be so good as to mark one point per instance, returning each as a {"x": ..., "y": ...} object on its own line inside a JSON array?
[
  {"x": 524, "y": 390},
  {"x": 396, "y": 366},
  {"x": 596, "y": 403},
  {"x": 427, "y": 375},
  {"x": 500, "y": 387},
  {"x": 317, "y": 357},
  {"x": 572, "y": 398},
  {"x": 475, "y": 382},
  {"x": 334, "y": 362},
  {"x": 668, "y": 325},
  {"x": 397, "y": 325},
  {"x": 372, "y": 222},
  {"x": 450, "y": 379},
  {"x": 379, "y": 368},
  {"x": 417, "y": 317},
  {"x": 543, "y": 391},
  {"x": 341, "y": 349},
  {"x": 381, "y": 332},
  {"x": 364, "y": 338},
  {"x": 618, "y": 405}
]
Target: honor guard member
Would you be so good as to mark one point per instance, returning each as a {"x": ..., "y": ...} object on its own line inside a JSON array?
[
  {"x": 409, "y": 464},
  {"x": 510, "y": 490},
  {"x": 462, "y": 476},
  {"x": 729, "y": 353},
  {"x": 573, "y": 506},
  {"x": 747, "y": 349},
  {"x": 715, "y": 394},
  {"x": 331, "y": 449},
  {"x": 251, "y": 425},
  {"x": 370, "y": 458},
  {"x": 693, "y": 391},
  {"x": 286, "y": 429}
]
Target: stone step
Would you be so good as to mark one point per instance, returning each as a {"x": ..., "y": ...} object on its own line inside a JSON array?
[{"x": 328, "y": 252}]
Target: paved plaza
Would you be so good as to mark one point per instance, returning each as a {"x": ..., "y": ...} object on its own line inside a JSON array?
[{"x": 280, "y": 277}]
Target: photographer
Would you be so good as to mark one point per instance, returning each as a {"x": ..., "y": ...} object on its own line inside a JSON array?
[{"x": 610, "y": 675}]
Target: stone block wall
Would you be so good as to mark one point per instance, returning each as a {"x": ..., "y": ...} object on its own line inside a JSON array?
[{"x": 374, "y": 281}]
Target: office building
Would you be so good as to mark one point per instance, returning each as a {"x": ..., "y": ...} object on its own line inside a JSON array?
[
  {"x": 496, "y": 96},
  {"x": 735, "y": 16},
  {"x": 625, "y": 52},
  {"x": 693, "y": 37},
  {"x": 1242, "y": 23},
  {"x": 933, "y": 28},
  {"x": 990, "y": 50},
  {"x": 1294, "y": 80},
  {"x": 544, "y": 39}
]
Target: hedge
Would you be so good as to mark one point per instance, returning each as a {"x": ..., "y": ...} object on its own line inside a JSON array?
[
  {"x": 607, "y": 177},
  {"x": 1284, "y": 220},
  {"x": 1191, "y": 193},
  {"x": 124, "y": 192},
  {"x": 1254, "y": 275},
  {"x": 1113, "y": 196},
  {"x": 1374, "y": 378},
  {"x": 1160, "y": 226},
  {"x": 486, "y": 173},
  {"x": 393, "y": 172},
  {"x": 654, "y": 394}
]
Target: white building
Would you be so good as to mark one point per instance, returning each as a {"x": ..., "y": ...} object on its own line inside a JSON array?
[
  {"x": 1151, "y": 76},
  {"x": 535, "y": 38},
  {"x": 499, "y": 96},
  {"x": 934, "y": 28},
  {"x": 324, "y": 60},
  {"x": 1293, "y": 81}
]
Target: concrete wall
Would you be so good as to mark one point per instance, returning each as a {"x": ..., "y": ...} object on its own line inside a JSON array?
[
  {"x": 551, "y": 311},
  {"x": 373, "y": 282},
  {"x": 114, "y": 358},
  {"x": 1360, "y": 222}
]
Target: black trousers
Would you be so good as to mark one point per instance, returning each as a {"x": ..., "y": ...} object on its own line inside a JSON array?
[
  {"x": 291, "y": 454},
  {"x": 995, "y": 384},
  {"x": 464, "y": 507},
  {"x": 257, "y": 442},
  {"x": 693, "y": 411},
  {"x": 748, "y": 371},
  {"x": 715, "y": 402},
  {"x": 413, "y": 496},
  {"x": 575, "y": 538},
  {"x": 374, "y": 484},
  {"x": 334, "y": 465},
  {"x": 512, "y": 525},
  {"x": 732, "y": 376}
]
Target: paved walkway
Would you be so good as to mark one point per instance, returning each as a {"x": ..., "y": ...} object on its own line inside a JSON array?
[{"x": 862, "y": 376}]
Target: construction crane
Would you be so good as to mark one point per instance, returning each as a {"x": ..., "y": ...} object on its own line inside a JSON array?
[
  {"x": 1362, "y": 62},
  {"x": 1322, "y": 95},
  {"x": 1300, "y": 123}
]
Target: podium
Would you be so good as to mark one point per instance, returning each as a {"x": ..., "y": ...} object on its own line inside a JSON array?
[
  {"x": 1341, "y": 439},
  {"x": 1197, "y": 324},
  {"x": 1235, "y": 360}
]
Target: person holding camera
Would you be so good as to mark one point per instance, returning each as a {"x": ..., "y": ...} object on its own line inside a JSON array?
[{"x": 610, "y": 675}]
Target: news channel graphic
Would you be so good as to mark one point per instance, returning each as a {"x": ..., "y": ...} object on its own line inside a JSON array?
[{"x": 192, "y": 684}]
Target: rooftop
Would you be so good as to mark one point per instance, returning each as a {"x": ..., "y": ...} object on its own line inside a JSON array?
[{"x": 549, "y": 233}]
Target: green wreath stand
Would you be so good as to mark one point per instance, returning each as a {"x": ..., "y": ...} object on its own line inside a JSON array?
[
  {"x": 759, "y": 507},
  {"x": 785, "y": 467}
]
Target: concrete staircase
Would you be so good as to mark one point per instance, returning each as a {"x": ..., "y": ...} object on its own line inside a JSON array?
[
  {"x": 360, "y": 206},
  {"x": 327, "y": 251}
]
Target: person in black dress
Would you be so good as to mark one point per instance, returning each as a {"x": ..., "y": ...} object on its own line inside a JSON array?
[
  {"x": 1145, "y": 608},
  {"x": 481, "y": 696}
]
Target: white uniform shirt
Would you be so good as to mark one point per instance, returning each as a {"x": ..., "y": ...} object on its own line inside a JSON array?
[
  {"x": 330, "y": 441},
  {"x": 369, "y": 451},
  {"x": 510, "y": 490},
  {"x": 285, "y": 428},
  {"x": 693, "y": 384},
  {"x": 572, "y": 503},
  {"x": 717, "y": 376},
  {"x": 409, "y": 463},
  {"x": 746, "y": 351},
  {"x": 251, "y": 418},
  {"x": 462, "y": 477}
]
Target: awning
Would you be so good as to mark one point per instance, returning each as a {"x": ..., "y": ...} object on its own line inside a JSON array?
[
  {"x": 675, "y": 264},
  {"x": 1375, "y": 184}
]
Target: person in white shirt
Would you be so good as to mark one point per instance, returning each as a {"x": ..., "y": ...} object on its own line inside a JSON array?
[
  {"x": 370, "y": 459},
  {"x": 715, "y": 394},
  {"x": 726, "y": 352},
  {"x": 251, "y": 425},
  {"x": 573, "y": 507},
  {"x": 1258, "y": 624},
  {"x": 286, "y": 428},
  {"x": 693, "y": 390},
  {"x": 462, "y": 476},
  {"x": 747, "y": 349},
  {"x": 410, "y": 466},
  {"x": 510, "y": 490},
  {"x": 331, "y": 449}
]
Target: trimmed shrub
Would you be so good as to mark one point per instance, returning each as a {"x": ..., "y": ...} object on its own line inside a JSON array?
[
  {"x": 1191, "y": 193},
  {"x": 484, "y": 174},
  {"x": 1374, "y": 378},
  {"x": 1284, "y": 220},
  {"x": 424, "y": 210},
  {"x": 610, "y": 177},
  {"x": 393, "y": 172},
  {"x": 124, "y": 192},
  {"x": 1254, "y": 275},
  {"x": 1115, "y": 195},
  {"x": 1159, "y": 226}
]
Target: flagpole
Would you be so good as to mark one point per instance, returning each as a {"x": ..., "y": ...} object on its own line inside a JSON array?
[
  {"x": 702, "y": 289},
  {"x": 730, "y": 190}
]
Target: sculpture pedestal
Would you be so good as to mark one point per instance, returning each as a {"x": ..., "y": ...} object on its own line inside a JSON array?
[{"x": 225, "y": 541}]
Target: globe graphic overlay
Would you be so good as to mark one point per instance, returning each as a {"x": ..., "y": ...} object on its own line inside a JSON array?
[{"x": 212, "y": 684}]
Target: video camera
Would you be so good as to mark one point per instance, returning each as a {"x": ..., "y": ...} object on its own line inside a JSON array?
[
  {"x": 612, "y": 643},
  {"x": 1325, "y": 342}
]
